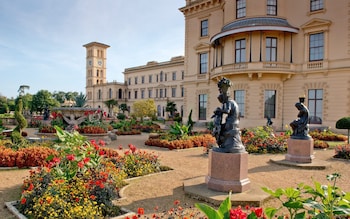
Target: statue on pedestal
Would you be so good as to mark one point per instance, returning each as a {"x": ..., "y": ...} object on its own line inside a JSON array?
[
  {"x": 300, "y": 125},
  {"x": 227, "y": 134}
]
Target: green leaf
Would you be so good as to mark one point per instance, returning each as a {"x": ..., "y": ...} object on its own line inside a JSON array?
[
  {"x": 209, "y": 211},
  {"x": 270, "y": 212}
]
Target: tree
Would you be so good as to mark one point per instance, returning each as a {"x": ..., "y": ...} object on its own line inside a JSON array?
[
  {"x": 16, "y": 135},
  {"x": 110, "y": 104},
  {"x": 123, "y": 107},
  {"x": 143, "y": 108},
  {"x": 60, "y": 96},
  {"x": 171, "y": 107},
  {"x": 43, "y": 99},
  {"x": 80, "y": 100},
  {"x": 21, "y": 89},
  {"x": 344, "y": 123}
]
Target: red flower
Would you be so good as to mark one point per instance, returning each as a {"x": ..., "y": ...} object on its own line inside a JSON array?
[
  {"x": 70, "y": 157},
  {"x": 56, "y": 160},
  {"x": 31, "y": 187},
  {"x": 101, "y": 152},
  {"x": 258, "y": 212},
  {"x": 102, "y": 143},
  {"x": 92, "y": 197},
  {"x": 23, "y": 201},
  {"x": 86, "y": 159},
  {"x": 120, "y": 147},
  {"x": 80, "y": 164},
  {"x": 132, "y": 148},
  {"x": 76, "y": 199},
  {"x": 140, "y": 211},
  {"x": 176, "y": 202}
]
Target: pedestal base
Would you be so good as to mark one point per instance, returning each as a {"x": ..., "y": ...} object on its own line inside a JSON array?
[
  {"x": 228, "y": 172},
  {"x": 300, "y": 151}
]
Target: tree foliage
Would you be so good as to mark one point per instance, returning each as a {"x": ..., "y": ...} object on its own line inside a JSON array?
[
  {"x": 143, "y": 108},
  {"x": 110, "y": 105},
  {"x": 171, "y": 108},
  {"x": 344, "y": 123},
  {"x": 80, "y": 100},
  {"x": 43, "y": 99}
]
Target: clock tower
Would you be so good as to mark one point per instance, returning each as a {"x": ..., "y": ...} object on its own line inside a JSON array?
[{"x": 96, "y": 55}]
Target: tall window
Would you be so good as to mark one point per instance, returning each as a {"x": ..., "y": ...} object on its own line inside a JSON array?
[
  {"x": 203, "y": 65},
  {"x": 135, "y": 94},
  {"x": 271, "y": 49},
  {"x": 240, "y": 8},
  {"x": 240, "y": 50},
  {"x": 203, "y": 99},
  {"x": 271, "y": 7},
  {"x": 182, "y": 75},
  {"x": 174, "y": 76},
  {"x": 315, "y": 105},
  {"x": 204, "y": 28},
  {"x": 99, "y": 94},
  {"x": 150, "y": 93},
  {"x": 173, "y": 92},
  {"x": 270, "y": 104},
  {"x": 142, "y": 79},
  {"x": 110, "y": 93},
  {"x": 135, "y": 80},
  {"x": 161, "y": 76},
  {"x": 150, "y": 79},
  {"x": 316, "y": 5},
  {"x": 182, "y": 91},
  {"x": 316, "y": 47},
  {"x": 142, "y": 94},
  {"x": 239, "y": 96}
]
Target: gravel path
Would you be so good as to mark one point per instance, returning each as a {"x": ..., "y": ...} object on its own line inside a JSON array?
[{"x": 161, "y": 190}]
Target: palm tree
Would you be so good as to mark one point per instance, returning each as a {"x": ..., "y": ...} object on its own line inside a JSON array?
[
  {"x": 110, "y": 105},
  {"x": 80, "y": 100}
]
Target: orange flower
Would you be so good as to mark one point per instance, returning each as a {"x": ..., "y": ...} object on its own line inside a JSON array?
[{"x": 92, "y": 197}]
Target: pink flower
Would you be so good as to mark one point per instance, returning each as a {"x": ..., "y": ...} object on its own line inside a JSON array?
[{"x": 80, "y": 164}]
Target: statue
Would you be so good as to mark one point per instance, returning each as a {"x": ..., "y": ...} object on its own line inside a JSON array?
[
  {"x": 300, "y": 125},
  {"x": 227, "y": 134}
]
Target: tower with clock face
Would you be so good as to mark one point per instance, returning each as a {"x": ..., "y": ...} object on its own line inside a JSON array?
[{"x": 96, "y": 55}]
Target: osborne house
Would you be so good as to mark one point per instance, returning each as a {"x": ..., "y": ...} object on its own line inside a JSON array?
[{"x": 272, "y": 51}]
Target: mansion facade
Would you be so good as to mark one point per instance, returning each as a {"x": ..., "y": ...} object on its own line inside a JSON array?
[{"x": 272, "y": 51}]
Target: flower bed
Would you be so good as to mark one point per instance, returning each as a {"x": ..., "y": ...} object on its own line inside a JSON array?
[
  {"x": 192, "y": 141},
  {"x": 90, "y": 174}
]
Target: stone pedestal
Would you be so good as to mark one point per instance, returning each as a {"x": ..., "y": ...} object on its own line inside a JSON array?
[
  {"x": 300, "y": 150},
  {"x": 228, "y": 172}
]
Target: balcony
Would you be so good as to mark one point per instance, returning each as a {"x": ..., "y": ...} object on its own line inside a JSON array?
[{"x": 253, "y": 67}]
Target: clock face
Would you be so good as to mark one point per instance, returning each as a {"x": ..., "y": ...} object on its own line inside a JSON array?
[{"x": 100, "y": 62}]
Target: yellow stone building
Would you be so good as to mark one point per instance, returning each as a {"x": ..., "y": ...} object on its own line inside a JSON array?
[{"x": 273, "y": 52}]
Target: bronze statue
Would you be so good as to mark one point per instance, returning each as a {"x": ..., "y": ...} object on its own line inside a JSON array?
[
  {"x": 300, "y": 125},
  {"x": 227, "y": 134}
]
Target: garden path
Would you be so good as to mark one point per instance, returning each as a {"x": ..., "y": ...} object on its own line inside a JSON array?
[{"x": 161, "y": 190}]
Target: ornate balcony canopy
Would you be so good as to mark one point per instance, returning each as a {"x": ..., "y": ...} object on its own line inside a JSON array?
[{"x": 255, "y": 24}]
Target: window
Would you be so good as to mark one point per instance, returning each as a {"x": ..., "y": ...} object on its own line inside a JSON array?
[
  {"x": 99, "y": 94},
  {"x": 129, "y": 94},
  {"x": 173, "y": 92},
  {"x": 271, "y": 7},
  {"x": 204, "y": 28},
  {"x": 110, "y": 93},
  {"x": 240, "y": 51},
  {"x": 203, "y": 66},
  {"x": 129, "y": 81},
  {"x": 135, "y": 80},
  {"x": 142, "y": 94},
  {"x": 316, "y": 47},
  {"x": 182, "y": 91},
  {"x": 182, "y": 75},
  {"x": 150, "y": 93},
  {"x": 240, "y": 8},
  {"x": 150, "y": 79},
  {"x": 271, "y": 49},
  {"x": 160, "y": 93},
  {"x": 203, "y": 98},
  {"x": 270, "y": 104},
  {"x": 142, "y": 79},
  {"x": 315, "y": 105},
  {"x": 239, "y": 96},
  {"x": 165, "y": 77},
  {"x": 174, "y": 76},
  {"x": 135, "y": 94},
  {"x": 316, "y": 5},
  {"x": 165, "y": 92},
  {"x": 161, "y": 76}
]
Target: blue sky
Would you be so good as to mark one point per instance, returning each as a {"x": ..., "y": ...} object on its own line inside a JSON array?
[{"x": 41, "y": 41}]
